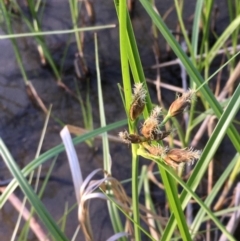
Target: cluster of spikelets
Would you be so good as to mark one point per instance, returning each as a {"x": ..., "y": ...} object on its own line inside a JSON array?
[{"x": 151, "y": 130}]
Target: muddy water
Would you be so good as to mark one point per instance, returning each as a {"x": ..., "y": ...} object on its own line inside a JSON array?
[{"x": 21, "y": 122}]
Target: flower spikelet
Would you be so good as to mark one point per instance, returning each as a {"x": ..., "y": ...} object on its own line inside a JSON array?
[
  {"x": 181, "y": 103},
  {"x": 159, "y": 135},
  {"x": 154, "y": 150},
  {"x": 150, "y": 126},
  {"x": 131, "y": 138},
  {"x": 156, "y": 112},
  {"x": 174, "y": 157},
  {"x": 124, "y": 136},
  {"x": 138, "y": 102}
]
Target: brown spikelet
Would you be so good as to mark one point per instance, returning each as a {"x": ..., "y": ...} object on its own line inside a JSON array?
[
  {"x": 124, "y": 136},
  {"x": 160, "y": 135},
  {"x": 150, "y": 128},
  {"x": 154, "y": 150},
  {"x": 181, "y": 103},
  {"x": 138, "y": 102},
  {"x": 174, "y": 157},
  {"x": 131, "y": 138},
  {"x": 134, "y": 138}
]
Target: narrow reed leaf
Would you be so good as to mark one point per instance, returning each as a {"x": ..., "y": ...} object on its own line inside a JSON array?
[
  {"x": 52, "y": 153},
  {"x": 195, "y": 28},
  {"x": 207, "y": 154},
  {"x": 190, "y": 192},
  {"x": 107, "y": 163},
  {"x": 56, "y": 32},
  {"x": 214, "y": 192},
  {"x": 124, "y": 49},
  {"x": 135, "y": 61},
  {"x": 174, "y": 202},
  {"x": 222, "y": 40},
  {"x": 40, "y": 209},
  {"x": 192, "y": 71},
  {"x": 14, "y": 43}
]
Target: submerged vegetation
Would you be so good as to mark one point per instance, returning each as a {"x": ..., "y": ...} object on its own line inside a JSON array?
[{"x": 168, "y": 138}]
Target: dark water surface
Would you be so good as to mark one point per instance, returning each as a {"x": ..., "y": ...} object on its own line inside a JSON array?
[{"x": 21, "y": 123}]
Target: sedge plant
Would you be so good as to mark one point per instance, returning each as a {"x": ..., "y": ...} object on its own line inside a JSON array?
[
  {"x": 130, "y": 59},
  {"x": 148, "y": 141}
]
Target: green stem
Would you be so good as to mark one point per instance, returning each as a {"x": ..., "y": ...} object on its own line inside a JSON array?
[
  {"x": 135, "y": 201},
  {"x": 128, "y": 98},
  {"x": 14, "y": 43}
]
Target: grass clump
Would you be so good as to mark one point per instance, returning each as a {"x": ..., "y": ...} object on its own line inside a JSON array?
[{"x": 161, "y": 138}]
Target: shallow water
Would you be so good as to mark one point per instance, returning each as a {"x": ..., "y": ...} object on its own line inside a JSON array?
[{"x": 21, "y": 123}]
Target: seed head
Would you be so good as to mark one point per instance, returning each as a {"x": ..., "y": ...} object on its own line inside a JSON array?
[
  {"x": 150, "y": 127},
  {"x": 160, "y": 135},
  {"x": 156, "y": 112},
  {"x": 124, "y": 136},
  {"x": 131, "y": 138},
  {"x": 181, "y": 103},
  {"x": 174, "y": 157},
  {"x": 138, "y": 102},
  {"x": 154, "y": 150}
]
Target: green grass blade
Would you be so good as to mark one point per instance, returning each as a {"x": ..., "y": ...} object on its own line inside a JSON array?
[
  {"x": 131, "y": 219},
  {"x": 206, "y": 22},
  {"x": 234, "y": 25},
  {"x": 136, "y": 65},
  {"x": 26, "y": 227},
  {"x": 56, "y": 32},
  {"x": 191, "y": 70},
  {"x": 178, "y": 7},
  {"x": 210, "y": 198},
  {"x": 194, "y": 74},
  {"x": 7, "y": 18},
  {"x": 40, "y": 209},
  {"x": 175, "y": 204},
  {"x": 52, "y": 153},
  {"x": 135, "y": 61},
  {"x": 106, "y": 151},
  {"x": 136, "y": 68},
  {"x": 128, "y": 99},
  {"x": 149, "y": 203},
  {"x": 208, "y": 153},
  {"x": 39, "y": 39},
  {"x": 124, "y": 56},
  {"x": 113, "y": 211},
  {"x": 196, "y": 24},
  {"x": 188, "y": 190}
]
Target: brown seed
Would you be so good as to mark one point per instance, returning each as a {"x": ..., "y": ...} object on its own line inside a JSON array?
[
  {"x": 160, "y": 135},
  {"x": 131, "y": 138},
  {"x": 134, "y": 138},
  {"x": 149, "y": 128},
  {"x": 181, "y": 103},
  {"x": 138, "y": 102},
  {"x": 124, "y": 136},
  {"x": 174, "y": 157},
  {"x": 136, "y": 109},
  {"x": 154, "y": 150}
]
